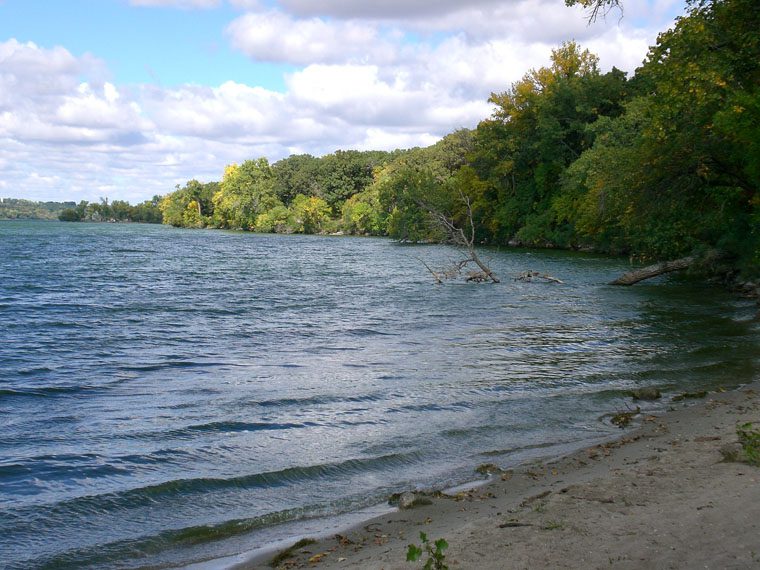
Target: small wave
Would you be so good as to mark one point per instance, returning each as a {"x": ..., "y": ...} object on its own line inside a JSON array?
[
  {"x": 155, "y": 494},
  {"x": 147, "y": 546},
  {"x": 213, "y": 428},
  {"x": 320, "y": 400},
  {"x": 367, "y": 332},
  {"x": 55, "y": 470},
  {"x": 431, "y": 407},
  {"x": 12, "y": 470},
  {"x": 33, "y": 371},
  {"x": 390, "y": 377},
  {"x": 226, "y": 427},
  {"x": 544, "y": 445},
  {"x": 45, "y": 391},
  {"x": 172, "y": 364}
]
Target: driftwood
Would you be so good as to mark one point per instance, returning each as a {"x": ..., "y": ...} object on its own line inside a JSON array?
[
  {"x": 462, "y": 240},
  {"x": 449, "y": 272},
  {"x": 637, "y": 275},
  {"x": 529, "y": 276}
]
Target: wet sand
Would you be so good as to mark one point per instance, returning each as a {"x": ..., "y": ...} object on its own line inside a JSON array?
[{"x": 661, "y": 496}]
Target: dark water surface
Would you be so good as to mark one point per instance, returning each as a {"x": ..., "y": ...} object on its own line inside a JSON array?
[{"x": 168, "y": 395}]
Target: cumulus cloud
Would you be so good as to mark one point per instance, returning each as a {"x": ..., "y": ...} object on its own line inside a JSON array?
[
  {"x": 45, "y": 101},
  {"x": 276, "y": 37},
  {"x": 64, "y": 134},
  {"x": 388, "y": 9},
  {"x": 365, "y": 75},
  {"x": 232, "y": 111}
]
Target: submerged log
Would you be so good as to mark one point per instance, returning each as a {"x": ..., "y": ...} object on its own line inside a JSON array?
[
  {"x": 637, "y": 275},
  {"x": 529, "y": 276}
]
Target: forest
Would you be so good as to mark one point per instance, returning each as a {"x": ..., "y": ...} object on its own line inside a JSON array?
[
  {"x": 20, "y": 209},
  {"x": 657, "y": 166},
  {"x": 147, "y": 212}
]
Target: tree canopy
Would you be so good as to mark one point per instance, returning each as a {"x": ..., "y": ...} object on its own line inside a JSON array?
[{"x": 662, "y": 164}]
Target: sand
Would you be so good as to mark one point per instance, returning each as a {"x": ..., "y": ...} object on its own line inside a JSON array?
[{"x": 661, "y": 496}]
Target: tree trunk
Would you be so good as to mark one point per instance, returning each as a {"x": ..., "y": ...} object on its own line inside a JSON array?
[
  {"x": 483, "y": 267},
  {"x": 637, "y": 275}
]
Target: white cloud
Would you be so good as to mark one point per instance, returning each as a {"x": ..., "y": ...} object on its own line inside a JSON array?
[
  {"x": 366, "y": 75},
  {"x": 387, "y": 9},
  {"x": 274, "y": 36},
  {"x": 232, "y": 111},
  {"x": 253, "y": 5}
]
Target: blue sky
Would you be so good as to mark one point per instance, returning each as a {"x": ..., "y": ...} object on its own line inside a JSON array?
[
  {"x": 142, "y": 44},
  {"x": 127, "y": 98}
]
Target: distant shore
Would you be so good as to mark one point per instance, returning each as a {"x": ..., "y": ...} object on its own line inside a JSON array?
[{"x": 661, "y": 496}]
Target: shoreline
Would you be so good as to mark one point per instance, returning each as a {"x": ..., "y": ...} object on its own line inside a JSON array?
[{"x": 659, "y": 495}]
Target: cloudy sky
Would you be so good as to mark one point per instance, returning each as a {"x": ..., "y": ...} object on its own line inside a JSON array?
[{"x": 127, "y": 98}]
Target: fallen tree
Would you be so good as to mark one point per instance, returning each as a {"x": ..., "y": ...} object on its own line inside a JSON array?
[
  {"x": 530, "y": 276},
  {"x": 464, "y": 241},
  {"x": 633, "y": 277}
]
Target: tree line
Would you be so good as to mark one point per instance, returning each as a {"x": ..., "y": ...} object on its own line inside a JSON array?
[
  {"x": 146, "y": 212},
  {"x": 659, "y": 165},
  {"x": 20, "y": 209}
]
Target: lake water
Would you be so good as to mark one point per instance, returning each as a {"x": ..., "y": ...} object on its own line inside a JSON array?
[{"x": 169, "y": 395}]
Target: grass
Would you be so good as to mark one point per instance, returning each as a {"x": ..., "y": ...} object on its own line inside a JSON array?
[{"x": 749, "y": 438}]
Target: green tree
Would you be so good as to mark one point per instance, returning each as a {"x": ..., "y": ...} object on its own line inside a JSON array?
[
  {"x": 309, "y": 214},
  {"x": 677, "y": 174},
  {"x": 297, "y": 174},
  {"x": 345, "y": 173},
  {"x": 246, "y": 191},
  {"x": 539, "y": 127},
  {"x": 174, "y": 206},
  {"x": 274, "y": 220},
  {"x": 362, "y": 214}
]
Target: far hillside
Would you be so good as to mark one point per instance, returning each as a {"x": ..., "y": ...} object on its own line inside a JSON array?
[{"x": 19, "y": 209}]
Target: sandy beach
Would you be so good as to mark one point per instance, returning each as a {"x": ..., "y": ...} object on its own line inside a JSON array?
[{"x": 661, "y": 496}]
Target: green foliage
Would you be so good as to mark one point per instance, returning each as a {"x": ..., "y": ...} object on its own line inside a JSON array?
[
  {"x": 297, "y": 174},
  {"x": 539, "y": 127},
  {"x": 309, "y": 215},
  {"x": 677, "y": 173},
  {"x": 403, "y": 192},
  {"x": 423, "y": 180},
  {"x": 662, "y": 165},
  {"x": 117, "y": 211},
  {"x": 749, "y": 438},
  {"x": 362, "y": 215},
  {"x": 14, "y": 208},
  {"x": 274, "y": 220},
  {"x": 343, "y": 174},
  {"x": 436, "y": 558},
  {"x": 694, "y": 188},
  {"x": 69, "y": 215},
  {"x": 246, "y": 191},
  {"x": 189, "y": 206},
  {"x": 147, "y": 212},
  {"x": 191, "y": 217}
]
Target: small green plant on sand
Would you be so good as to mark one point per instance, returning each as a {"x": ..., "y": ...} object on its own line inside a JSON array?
[
  {"x": 749, "y": 438},
  {"x": 436, "y": 557}
]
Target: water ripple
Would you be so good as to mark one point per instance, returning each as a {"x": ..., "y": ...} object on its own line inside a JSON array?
[{"x": 164, "y": 388}]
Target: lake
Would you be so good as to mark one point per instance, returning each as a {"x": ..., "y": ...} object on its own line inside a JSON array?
[{"x": 169, "y": 396}]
